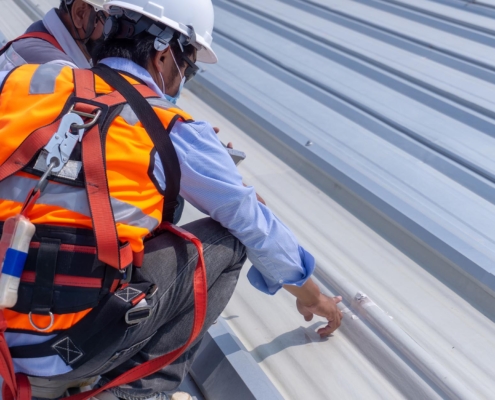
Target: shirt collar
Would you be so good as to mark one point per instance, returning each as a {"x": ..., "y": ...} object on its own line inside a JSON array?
[
  {"x": 56, "y": 27},
  {"x": 125, "y": 65}
]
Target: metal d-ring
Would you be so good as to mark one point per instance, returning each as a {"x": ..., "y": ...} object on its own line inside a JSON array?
[
  {"x": 89, "y": 124},
  {"x": 94, "y": 118},
  {"x": 52, "y": 320}
]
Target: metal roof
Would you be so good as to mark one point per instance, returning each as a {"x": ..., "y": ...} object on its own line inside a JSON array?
[
  {"x": 369, "y": 128},
  {"x": 381, "y": 114}
]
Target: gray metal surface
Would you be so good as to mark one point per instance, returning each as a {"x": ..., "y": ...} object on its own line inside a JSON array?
[
  {"x": 398, "y": 105},
  {"x": 387, "y": 108},
  {"x": 13, "y": 20},
  {"x": 429, "y": 333},
  {"x": 224, "y": 369}
]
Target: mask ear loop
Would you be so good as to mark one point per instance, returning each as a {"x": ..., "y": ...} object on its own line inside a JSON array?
[
  {"x": 175, "y": 62},
  {"x": 163, "y": 82},
  {"x": 182, "y": 78},
  {"x": 161, "y": 46}
]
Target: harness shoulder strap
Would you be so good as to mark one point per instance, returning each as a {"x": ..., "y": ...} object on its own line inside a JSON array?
[
  {"x": 155, "y": 129},
  {"x": 93, "y": 159},
  {"x": 35, "y": 35}
]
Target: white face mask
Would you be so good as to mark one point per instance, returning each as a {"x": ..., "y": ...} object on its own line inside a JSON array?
[{"x": 173, "y": 99}]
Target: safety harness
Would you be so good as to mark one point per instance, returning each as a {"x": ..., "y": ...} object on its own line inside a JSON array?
[
  {"x": 116, "y": 307},
  {"x": 34, "y": 35}
]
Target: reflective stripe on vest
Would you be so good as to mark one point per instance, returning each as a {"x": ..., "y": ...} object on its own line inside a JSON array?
[
  {"x": 43, "y": 80},
  {"x": 73, "y": 199}
]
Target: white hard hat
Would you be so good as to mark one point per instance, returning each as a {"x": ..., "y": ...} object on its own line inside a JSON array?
[
  {"x": 192, "y": 18},
  {"x": 97, "y": 4}
]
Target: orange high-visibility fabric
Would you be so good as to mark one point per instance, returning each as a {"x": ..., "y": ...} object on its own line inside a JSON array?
[
  {"x": 128, "y": 153},
  {"x": 20, "y": 322}
]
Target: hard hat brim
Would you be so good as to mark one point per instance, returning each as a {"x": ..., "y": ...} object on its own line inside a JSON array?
[{"x": 205, "y": 54}]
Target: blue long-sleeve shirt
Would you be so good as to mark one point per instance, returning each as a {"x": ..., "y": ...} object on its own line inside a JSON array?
[{"x": 211, "y": 183}]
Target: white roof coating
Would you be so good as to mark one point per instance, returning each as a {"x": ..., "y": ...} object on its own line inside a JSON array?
[{"x": 369, "y": 130}]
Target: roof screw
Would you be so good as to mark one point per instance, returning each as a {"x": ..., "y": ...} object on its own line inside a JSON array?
[
  {"x": 360, "y": 296},
  {"x": 309, "y": 143}
]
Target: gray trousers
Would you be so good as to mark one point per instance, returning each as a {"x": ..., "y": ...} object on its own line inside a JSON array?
[{"x": 169, "y": 262}]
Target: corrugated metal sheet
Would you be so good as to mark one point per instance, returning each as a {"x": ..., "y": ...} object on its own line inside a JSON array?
[
  {"x": 381, "y": 118},
  {"x": 387, "y": 108}
]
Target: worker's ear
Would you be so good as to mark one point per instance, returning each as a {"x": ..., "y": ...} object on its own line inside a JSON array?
[
  {"x": 158, "y": 60},
  {"x": 78, "y": 12}
]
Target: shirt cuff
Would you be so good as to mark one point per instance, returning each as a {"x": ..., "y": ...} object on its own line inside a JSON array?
[{"x": 270, "y": 286}]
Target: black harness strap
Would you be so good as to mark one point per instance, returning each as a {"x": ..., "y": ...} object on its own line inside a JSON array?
[
  {"x": 46, "y": 265},
  {"x": 155, "y": 129},
  {"x": 101, "y": 328}
]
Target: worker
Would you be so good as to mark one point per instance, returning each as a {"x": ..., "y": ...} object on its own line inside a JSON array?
[
  {"x": 67, "y": 35},
  {"x": 106, "y": 287}
]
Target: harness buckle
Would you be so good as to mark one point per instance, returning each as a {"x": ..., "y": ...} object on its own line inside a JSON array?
[
  {"x": 137, "y": 314},
  {"x": 127, "y": 273}
]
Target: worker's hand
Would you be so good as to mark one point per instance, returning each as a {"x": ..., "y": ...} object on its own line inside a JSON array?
[
  {"x": 325, "y": 307},
  {"x": 311, "y": 301},
  {"x": 229, "y": 145}
]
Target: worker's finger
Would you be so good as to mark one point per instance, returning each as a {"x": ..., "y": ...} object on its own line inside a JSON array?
[
  {"x": 330, "y": 327},
  {"x": 216, "y": 129},
  {"x": 308, "y": 317}
]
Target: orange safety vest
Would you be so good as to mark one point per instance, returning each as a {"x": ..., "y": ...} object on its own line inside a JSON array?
[
  {"x": 95, "y": 212},
  {"x": 32, "y": 97}
]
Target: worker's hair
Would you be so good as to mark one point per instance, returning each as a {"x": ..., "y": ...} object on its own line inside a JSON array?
[{"x": 139, "y": 49}]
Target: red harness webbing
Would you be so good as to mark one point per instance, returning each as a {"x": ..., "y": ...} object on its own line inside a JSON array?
[
  {"x": 16, "y": 386},
  {"x": 35, "y": 35},
  {"x": 200, "y": 307}
]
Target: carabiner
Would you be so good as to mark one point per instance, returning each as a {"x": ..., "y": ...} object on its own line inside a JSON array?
[{"x": 62, "y": 143}]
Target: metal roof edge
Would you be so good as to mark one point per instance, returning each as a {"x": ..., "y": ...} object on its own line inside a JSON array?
[{"x": 224, "y": 369}]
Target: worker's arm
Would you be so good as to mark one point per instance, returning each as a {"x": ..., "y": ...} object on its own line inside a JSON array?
[{"x": 311, "y": 301}]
